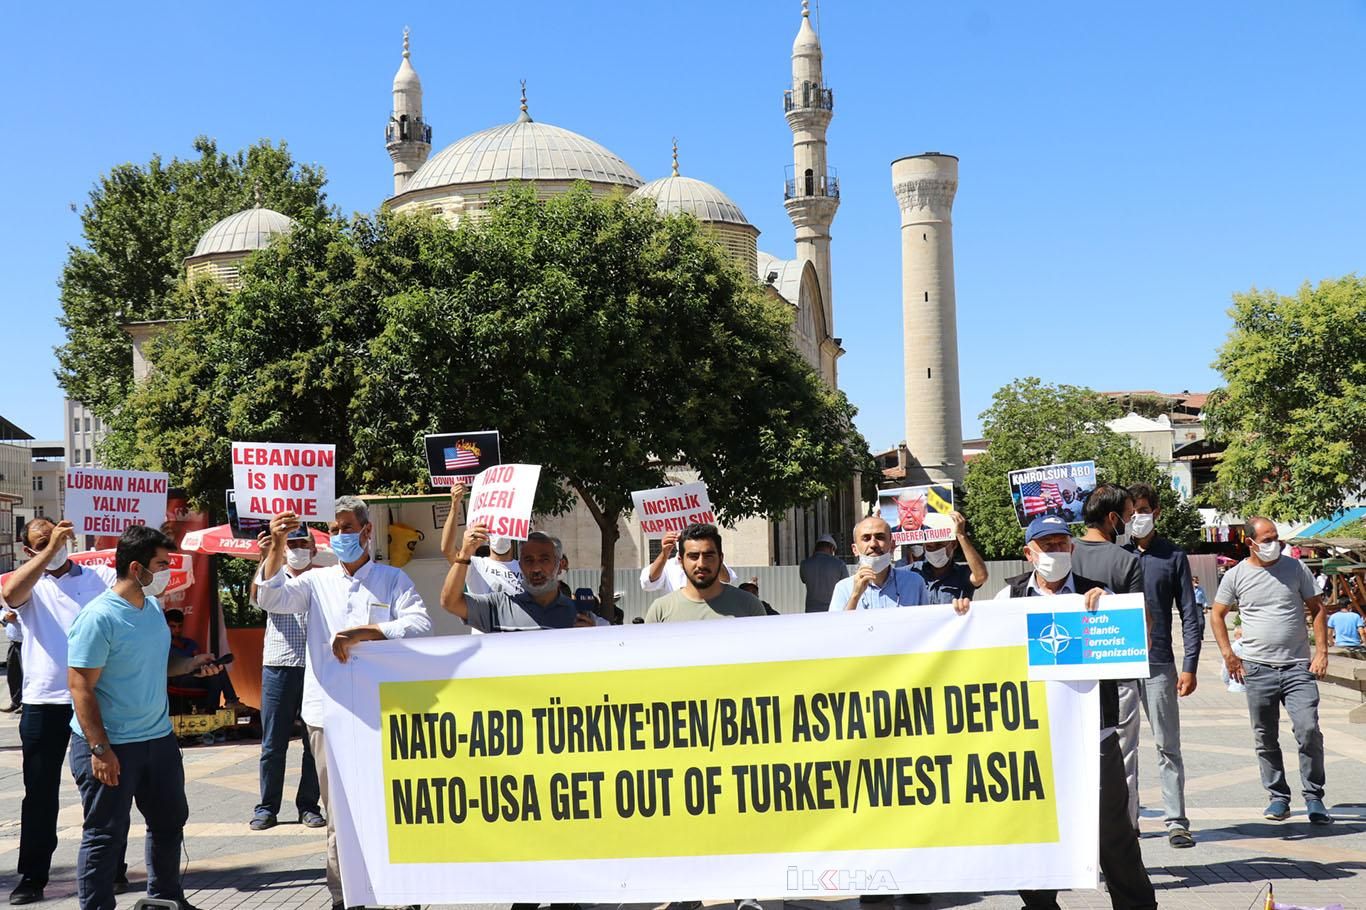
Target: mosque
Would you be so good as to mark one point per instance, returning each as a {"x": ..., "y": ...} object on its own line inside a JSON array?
[{"x": 459, "y": 179}]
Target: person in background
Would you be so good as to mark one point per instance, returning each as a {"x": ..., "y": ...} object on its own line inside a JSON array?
[
  {"x": 119, "y": 657},
  {"x": 666, "y": 574},
  {"x": 540, "y": 605},
  {"x": 1346, "y": 628},
  {"x": 1273, "y": 593},
  {"x": 947, "y": 580},
  {"x": 1050, "y": 550},
  {"x": 1167, "y": 586},
  {"x": 284, "y": 655},
  {"x": 494, "y": 567},
  {"x": 820, "y": 572},
  {"x": 218, "y": 688},
  {"x": 354, "y": 601},
  {"x": 14, "y": 660},
  {"x": 752, "y": 586},
  {"x": 1099, "y": 556}
]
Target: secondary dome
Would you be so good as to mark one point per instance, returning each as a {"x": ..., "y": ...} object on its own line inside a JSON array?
[
  {"x": 695, "y": 197},
  {"x": 242, "y": 233},
  {"x": 522, "y": 150}
]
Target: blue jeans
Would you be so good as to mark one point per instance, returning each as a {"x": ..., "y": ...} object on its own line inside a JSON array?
[
  {"x": 43, "y": 731},
  {"x": 1268, "y": 687},
  {"x": 282, "y": 695},
  {"x": 151, "y": 775}
]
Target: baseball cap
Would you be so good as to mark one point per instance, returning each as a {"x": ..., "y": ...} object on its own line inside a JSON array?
[
  {"x": 1045, "y": 525},
  {"x": 499, "y": 544},
  {"x": 826, "y": 538},
  {"x": 585, "y": 599}
]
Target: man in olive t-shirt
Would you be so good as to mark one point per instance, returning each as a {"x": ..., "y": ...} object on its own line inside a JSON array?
[{"x": 703, "y": 596}]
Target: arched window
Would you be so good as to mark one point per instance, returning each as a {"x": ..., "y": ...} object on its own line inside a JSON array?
[{"x": 810, "y": 182}]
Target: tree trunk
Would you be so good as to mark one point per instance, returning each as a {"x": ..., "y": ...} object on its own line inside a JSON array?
[{"x": 607, "y": 525}]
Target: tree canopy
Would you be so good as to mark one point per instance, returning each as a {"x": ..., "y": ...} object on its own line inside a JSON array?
[
  {"x": 608, "y": 343},
  {"x": 139, "y": 224},
  {"x": 1031, "y": 423},
  {"x": 1292, "y": 411}
]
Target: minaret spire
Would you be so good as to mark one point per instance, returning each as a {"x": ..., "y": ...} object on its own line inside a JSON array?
[
  {"x": 675, "y": 156},
  {"x": 524, "y": 117},
  {"x": 407, "y": 137}
]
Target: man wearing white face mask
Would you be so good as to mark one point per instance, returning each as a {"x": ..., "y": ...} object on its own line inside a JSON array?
[
  {"x": 1272, "y": 593},
  {"x": 47, "y": 592},
  {"x": 877, "y": 583},
  {"x": 945, "y": 579},
  {"x": 354, "y": 601},
  {"x": 1049, "y": 549}
]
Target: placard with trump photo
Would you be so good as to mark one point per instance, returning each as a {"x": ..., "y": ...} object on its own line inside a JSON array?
[{"x": 918, "y": 514}]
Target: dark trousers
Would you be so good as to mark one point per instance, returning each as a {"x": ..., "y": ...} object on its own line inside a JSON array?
[
  {"x": 1120, "y": 858},
  {"x": 151, "y": 775},
  {"x": 44, "y": 731},
  {"x": 14, "y": 672},
  {"x": 282, "y": 695},
  {"x": 217, "y": 689}
]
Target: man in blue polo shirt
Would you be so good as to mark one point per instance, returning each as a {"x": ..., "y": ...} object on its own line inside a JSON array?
[{"x": 123, "y": 751}]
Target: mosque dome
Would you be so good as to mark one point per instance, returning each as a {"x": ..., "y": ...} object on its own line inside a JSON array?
[
  {"x": 242, "y": 233},
  {"x": 522, "y": 150},
  {"x": 692, "y": 196}
]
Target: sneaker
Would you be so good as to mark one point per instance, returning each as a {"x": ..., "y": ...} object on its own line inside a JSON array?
[
  {"x": 310, "y": 818},
  {"x": 1178, "y": 836},
  {"x": 262, "y": 820},
  {"x": 1278, "y": 810},
  {"x": 26, "y": 892},
  {"x": 1318, "y": 812}
]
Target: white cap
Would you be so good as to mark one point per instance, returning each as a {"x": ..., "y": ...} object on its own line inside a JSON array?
[
  {"x": 826, "y": 538},
  {"x": 500, "y": 544}
]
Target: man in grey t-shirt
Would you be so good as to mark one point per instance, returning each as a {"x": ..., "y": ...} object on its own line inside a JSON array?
[
  {"x": 820, "y": 572},
  {"x": 1272, "y": 593},
  {"x": 539, "y": 606}
]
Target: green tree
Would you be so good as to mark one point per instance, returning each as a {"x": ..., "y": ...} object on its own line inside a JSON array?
[
  {"x": 139, "y": 224},
  {"x": 1292, "y": 411},
  {"x": 609, "y": 344},
  {"x": 1030, "y": 423}
]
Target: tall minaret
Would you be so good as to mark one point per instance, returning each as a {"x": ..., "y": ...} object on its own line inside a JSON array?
[
  {"x": 813, "y": 192},
  {"x": 407, "y": 137},
  {"x": 925, "y": 186}
]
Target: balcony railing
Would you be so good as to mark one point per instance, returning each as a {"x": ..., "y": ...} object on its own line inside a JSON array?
[
  {"x": 808, "y": 96},
  {"x": 810, "y": 183},
  {"x": 405, "y": 129}
]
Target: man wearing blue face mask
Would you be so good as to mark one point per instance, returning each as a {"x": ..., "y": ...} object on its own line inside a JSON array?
[
  {"x": 877, "y": 583},
  {"x": 357, "y": 600}
]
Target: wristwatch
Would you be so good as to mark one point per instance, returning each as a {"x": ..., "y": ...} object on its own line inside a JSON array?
[{"x": 99, "y": 750}]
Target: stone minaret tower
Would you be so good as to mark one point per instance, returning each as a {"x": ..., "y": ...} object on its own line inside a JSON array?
[
  {"x": 407, "y": 137},
  {"x": 813, "y": 191},
  {"x": 925, "y": 186}
]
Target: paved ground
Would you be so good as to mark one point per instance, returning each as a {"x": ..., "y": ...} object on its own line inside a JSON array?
[{"x": 230, "y": 866}]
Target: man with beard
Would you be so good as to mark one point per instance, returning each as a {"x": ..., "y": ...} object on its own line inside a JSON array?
[
  {"x": 703, "y": 595},
  {"x": 540, "y": 605}
]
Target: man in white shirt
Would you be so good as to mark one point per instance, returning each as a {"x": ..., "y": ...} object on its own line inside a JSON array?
[
  {"x": 666, "y": 573},
  {"x": 501, "y": 572},
  {"x": 47, "y": 592},
  {"x": 354, "y": 601}
]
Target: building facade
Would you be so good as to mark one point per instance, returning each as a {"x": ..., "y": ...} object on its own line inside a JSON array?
[{"x": 84, "y": 433}]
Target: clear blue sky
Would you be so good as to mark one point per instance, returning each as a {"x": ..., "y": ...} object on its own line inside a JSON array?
[{"x": 1123, "y": 169}]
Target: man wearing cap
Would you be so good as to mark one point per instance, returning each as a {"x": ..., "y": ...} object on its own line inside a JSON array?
[
  {"x": 820, "y": 572},
  {"x": 946, "y": 579},
  {"x": 666, "y": 574},
  {"x": 877, "y": 583},
  {"x": 499, "y": 571},
  {"x": 1049, "y": 548}
]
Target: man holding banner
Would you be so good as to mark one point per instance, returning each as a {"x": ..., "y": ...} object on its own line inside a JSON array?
[
  {"x": 1048, "y": 548},
  {"x": 499, "y": 571},
  {"x": 357, "y": 600},
  {"x": 878, "y": 583},
  {"x": 946, "y": 580}
]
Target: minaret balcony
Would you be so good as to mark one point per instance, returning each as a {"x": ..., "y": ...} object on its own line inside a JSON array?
[
  {"x": 405, "y": 130},
  {"x": 808, "y": 97},
  {"x": 809, "y": 183}
]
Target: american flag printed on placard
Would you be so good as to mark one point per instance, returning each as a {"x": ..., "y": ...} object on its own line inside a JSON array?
[
  {"x": 1038, "y": 497},
  {"x": 457, "y": 458}
]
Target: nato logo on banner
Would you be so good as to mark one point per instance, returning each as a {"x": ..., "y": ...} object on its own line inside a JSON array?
[
  {"x": 1067, "y": 641},
  {"x": 455, "y": 458}
]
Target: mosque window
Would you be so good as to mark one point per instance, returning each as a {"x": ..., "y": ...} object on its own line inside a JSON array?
[
  {"x": 927, "y": 296},
  {"x": 810, "y": 182},
  {"x": 929, "y": 373}
]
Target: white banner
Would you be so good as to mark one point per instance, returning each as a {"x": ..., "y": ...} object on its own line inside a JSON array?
[
  {"x": 106, "y": 503},
  {"x": 501, "y": 499},
  {"x": 669, "y": 509},
  {"x": 790, "y": 756},
  {"x": 273, "y": 477}
]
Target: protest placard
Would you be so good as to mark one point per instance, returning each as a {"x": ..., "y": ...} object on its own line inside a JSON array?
[
  {"x": 1052, "y": 489},
  {"x": 669, "y": 509},
  {"x": 918, "y": 514},
  {"x": 106, "y": 503},
  {"x": 456, "y": 458},
  {"x": 1067, "y": 641},
  {"x": 897, "y": 750},
  {"x": 243, "y": 528},
  {"x": 501, "y": 500},
  {"x": 273, "y": 477}
]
